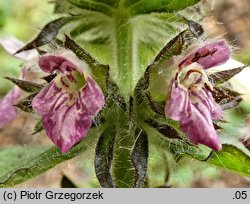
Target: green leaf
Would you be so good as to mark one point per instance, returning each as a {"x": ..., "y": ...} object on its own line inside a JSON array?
[
  {"x": 140, "y": 157},
  {"x": 172, "y": 48},
  {"x": 79, "y": 52},
  {"x": 93, "y": 6},
  {"x": 47, "y": 34},
  {"x": 66, "y": 183},
  {"x": 12, "y": 157},
  {"x": 169, "y": 6},
  {"x": 159, "y": 70},
  {"x": 84, "y": 27},
  {"x": 232, "y": 159},
  {"x": 27, "y": 86},
  {"x": 158, "y": 108},
  {"x": 99, "y": 40},
  {"x": 39, "y": 164},
  {"x": 223, "y": 76},
  {"x": 122, "y": 167},
  {"x": 112, "y": 3},
  {"x": 162, "y": 68},
  {"x": 158, "y": 169},
  {"x": 63, "y": 6},
  {"x": 104, "y": 156},
  {"x": 155, "y": 29},
  {"x": 93, "y": 28}
]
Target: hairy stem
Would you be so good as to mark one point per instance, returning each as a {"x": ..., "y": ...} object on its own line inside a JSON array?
[{"x": 125, "y": 47}]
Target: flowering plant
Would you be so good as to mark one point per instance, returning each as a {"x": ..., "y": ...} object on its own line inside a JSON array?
[{"x": 121, "y": 104}]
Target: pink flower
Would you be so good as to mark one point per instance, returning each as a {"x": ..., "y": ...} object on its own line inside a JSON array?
[
  {"x": 7, "y": 110},
  {"x": 190, "y": 99},
  {"x": 69, "y": 102}
]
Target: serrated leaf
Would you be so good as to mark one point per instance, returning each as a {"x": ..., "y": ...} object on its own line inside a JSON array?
[
  {"x": 145, "y": 6},
  {"x": 232, "y": 159},
  {"x": 26, "y": 103},
  {"x": 92, "y": 6},
  {"x": 66, "y": 183},
  {"x": 104, "y": 156},
  {"x": 226, "y": 97},
  {"x": 223, "y": 76},
  {"x": 140, "y": 157},
  {"x": 27, "y": 86},
  {"x": 38, "y": 164},
  {"x": 47, "y": 34}
]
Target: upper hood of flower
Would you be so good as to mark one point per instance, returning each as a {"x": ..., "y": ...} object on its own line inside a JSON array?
[{"x": 209, "y": 55}]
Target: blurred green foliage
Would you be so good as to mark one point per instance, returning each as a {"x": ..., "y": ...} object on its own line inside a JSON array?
[{"x": 22, "y": 19}]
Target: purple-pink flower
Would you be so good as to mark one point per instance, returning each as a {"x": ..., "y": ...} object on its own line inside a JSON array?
[
  {"x": 69, "y": 102},
  {"x": 7, "y": 110},
  {"x": 190, "y": 100}
]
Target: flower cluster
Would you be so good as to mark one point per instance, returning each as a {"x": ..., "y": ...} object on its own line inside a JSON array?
[{"x": 69, "y": 102}]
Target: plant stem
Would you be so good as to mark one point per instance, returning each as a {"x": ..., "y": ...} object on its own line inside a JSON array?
[{"x": 126, "y": 56}]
